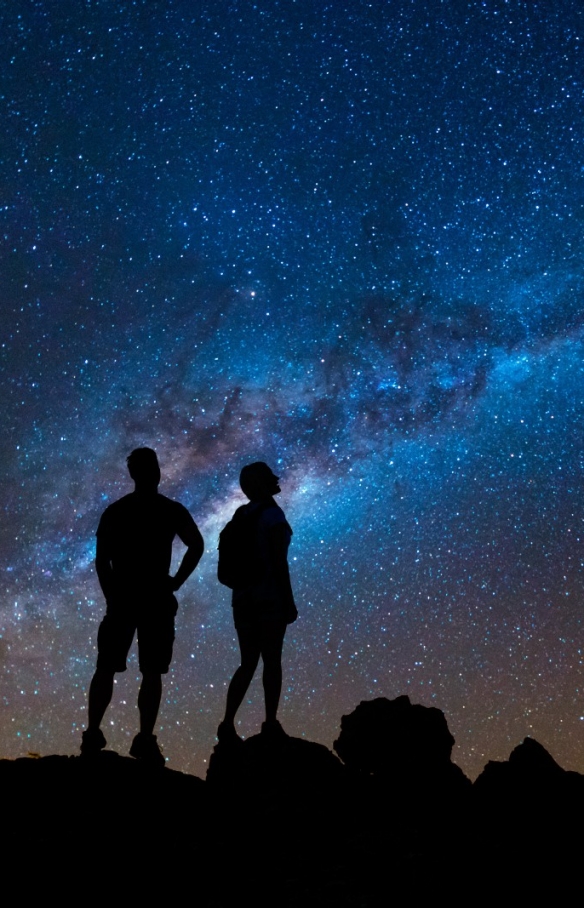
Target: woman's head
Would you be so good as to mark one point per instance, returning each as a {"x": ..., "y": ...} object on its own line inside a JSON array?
[{"x": 257, "y": 481}]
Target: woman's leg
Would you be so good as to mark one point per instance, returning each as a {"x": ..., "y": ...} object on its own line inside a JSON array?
[
  {"x": 249, "y": 645},
  {"x": 271, "y": 649}
]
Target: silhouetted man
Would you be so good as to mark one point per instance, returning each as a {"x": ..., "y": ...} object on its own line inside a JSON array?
[{"x": 134, "y": 551}]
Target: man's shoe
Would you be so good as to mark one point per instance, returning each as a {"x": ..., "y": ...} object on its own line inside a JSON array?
[
  {"x": 92, "y": 742},
  {"x": 145, "y": 748}
]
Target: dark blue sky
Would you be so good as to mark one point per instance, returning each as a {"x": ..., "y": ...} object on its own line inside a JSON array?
[{"x": 344, "y": 238}]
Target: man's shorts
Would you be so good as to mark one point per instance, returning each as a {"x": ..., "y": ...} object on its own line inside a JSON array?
[{"x": 155, "y": 625}]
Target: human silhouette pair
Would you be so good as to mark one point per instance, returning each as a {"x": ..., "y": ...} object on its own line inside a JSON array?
[{"x": 133, "y": 557}]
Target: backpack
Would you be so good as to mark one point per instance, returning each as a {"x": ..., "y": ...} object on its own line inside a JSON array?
[{"x": 240, "y": 563}]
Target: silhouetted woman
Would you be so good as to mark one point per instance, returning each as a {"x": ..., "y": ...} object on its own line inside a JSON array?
[{"x": 261, "y": 611}]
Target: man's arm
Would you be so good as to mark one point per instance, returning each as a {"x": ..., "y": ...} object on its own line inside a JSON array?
[
  {"x": 188, "y": 534},
  {"x": 103, "y": 566}
]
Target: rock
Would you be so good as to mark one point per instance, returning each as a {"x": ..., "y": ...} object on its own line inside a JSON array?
[
  {"x": 527, "y": 814},
  {"x": 384, "y": 737},
  {"x": 530, "y": 775},
  {"x": 263, "y": 766},
  {"x": 408, "y": 798},
  {"x": 531, "y": 758}
]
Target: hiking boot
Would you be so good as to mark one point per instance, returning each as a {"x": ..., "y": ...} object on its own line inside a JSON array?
[
  {"x": 227, "y": 735},
  {"x": 145, "y": 748},
  {"x": 92, "y": 742},
  {"x": 272, "y": 729}
]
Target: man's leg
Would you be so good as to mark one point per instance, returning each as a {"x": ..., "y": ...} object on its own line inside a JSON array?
[
  {"x": 149, "y": 701},
  {"x": 114, "y": 639},
  {"x": 155, "y": 640},
  {"x": 145, "y": 746},
  {"x": 100, "y": 695}
]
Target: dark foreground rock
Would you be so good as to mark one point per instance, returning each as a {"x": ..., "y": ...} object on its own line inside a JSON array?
[
  {"x": 407, "y": 795},
  {"x": 265, "y": 768},
  {"x": 286, "y": 823},
  {"x": 405, "y": 750},
  {"x": 530, "y": 811},
  {"x": 104, "y": 826},
  {"x": 290, "y": 796},
  {"x": 384, "y": 736}
]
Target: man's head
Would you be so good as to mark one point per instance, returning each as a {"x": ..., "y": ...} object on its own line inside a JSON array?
[
  {"x": 257, "y": 481},
  {"x": 143, "y": 468}
]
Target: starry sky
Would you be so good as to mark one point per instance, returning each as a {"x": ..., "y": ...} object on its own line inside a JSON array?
[{"x": 345, "y": 238}]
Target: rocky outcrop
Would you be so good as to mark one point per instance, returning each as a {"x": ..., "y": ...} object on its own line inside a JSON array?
[
  {"x": 529, "y": 782},
  {"x": 285, "y": 808},
  {"x": 262, "y": 766},
  {"x": 527, "y": 814},
  {"x": 104, "y": 827},
  {"x": 402, "y": 746},
  {"x": 283, "y": 821},
  {"x": 382, "y": 737}
]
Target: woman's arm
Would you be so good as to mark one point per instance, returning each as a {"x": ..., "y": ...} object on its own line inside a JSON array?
[{"x": 278, "y": 540}]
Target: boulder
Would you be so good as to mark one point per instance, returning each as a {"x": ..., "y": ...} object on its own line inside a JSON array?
[
  {"x": 261, "y": 766},
  {"x": 383, "y": 737}
]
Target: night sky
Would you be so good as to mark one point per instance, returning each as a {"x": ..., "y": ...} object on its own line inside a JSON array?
[{"x": 345, "y": 238}]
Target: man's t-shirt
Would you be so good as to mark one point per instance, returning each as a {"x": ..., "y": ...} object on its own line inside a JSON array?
[{"x": 136, "y": 533}]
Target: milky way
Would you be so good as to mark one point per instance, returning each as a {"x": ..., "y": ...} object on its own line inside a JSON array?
[{"x": 344, "y": 238}]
